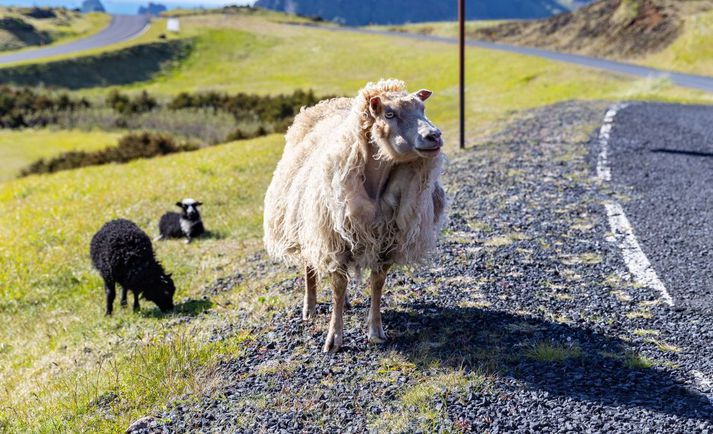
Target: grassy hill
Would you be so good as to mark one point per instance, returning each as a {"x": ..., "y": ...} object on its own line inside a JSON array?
[
  {"x": 664, "y": 34},
  {"x": 27, "y": 27},
  {"x": 64, "y": 366}
]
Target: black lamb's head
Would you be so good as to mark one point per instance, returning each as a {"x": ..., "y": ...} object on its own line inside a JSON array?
[
  {"x": 189, "y": 208},
  {"x": 161, "y": 292}
]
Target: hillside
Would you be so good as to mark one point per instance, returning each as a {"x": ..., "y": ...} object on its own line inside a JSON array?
[
  {"x": 402, "y": 11},
  {"x": 27, "y": 27},
  {"x": 630, "y": 28}
]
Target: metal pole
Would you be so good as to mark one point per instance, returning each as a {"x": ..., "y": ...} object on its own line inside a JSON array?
[{"x": 461, "y": 66}]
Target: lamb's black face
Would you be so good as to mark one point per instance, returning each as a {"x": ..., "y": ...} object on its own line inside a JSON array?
[{"x": 162, "y": 293}]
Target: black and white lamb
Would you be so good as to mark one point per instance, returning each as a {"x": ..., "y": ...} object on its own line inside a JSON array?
[
  {"x": 123, "y": 254},
  {"x": 187, "y": 224}
]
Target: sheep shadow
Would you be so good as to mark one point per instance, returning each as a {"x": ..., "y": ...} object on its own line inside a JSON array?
[
  {"x": 594, "y": 368},
  {"x": 189, "y": 307},
  {"x": 213, "y": 235}
]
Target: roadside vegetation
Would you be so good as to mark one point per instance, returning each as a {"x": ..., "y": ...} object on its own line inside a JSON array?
[
  {"x": 27, "y": 27},
  {"x": 64, "y": 366}
]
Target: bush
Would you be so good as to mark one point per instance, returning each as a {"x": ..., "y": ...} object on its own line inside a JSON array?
[
  {"x": 131, "y": 147},
  {"x": 39, "y": 13},
  {"x": 24, "y": 108},
  {"x": 123, "y": 104}
]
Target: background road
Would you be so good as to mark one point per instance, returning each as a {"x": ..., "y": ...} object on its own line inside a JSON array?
[
  {"x": 684, "y": 80},
  {"x": 121, "y": 28},
  {"x": 661, "y": 157}
]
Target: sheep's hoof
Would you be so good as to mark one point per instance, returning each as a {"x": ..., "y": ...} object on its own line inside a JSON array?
[
  {"x": 377, "y": 336},
  {"x": 309, "y": 313},
  {"x": 333, "y": 342},
  {"x": 188, "y": 241}
]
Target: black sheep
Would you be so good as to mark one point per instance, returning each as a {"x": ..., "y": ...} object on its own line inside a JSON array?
[
  {"x": 186, "y": 224},
  {"x": 122, "y": 253}
]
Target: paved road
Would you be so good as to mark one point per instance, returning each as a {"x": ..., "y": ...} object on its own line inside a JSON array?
[
  {"x": 661, "y": 156},
  {"x": 121, "y": 28},
  {"x": 684, "y": 80}
]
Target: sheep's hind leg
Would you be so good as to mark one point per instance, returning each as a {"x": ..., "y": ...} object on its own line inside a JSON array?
[
  {"x": 136, "y": 301},
  {"x": 309, "y": 309},
  {"x": 335, "y": 336},
  {"x": 110, "y": 290},
  {"x": 376, "y": 329}
]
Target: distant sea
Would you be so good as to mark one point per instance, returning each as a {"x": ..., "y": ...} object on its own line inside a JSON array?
[{"x": 123, "y": 7}]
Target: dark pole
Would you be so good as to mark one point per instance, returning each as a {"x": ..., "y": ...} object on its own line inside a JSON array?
[{"x": 461, "y": 67}]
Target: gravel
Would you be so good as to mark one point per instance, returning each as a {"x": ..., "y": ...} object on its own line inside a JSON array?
[{"x": 526, "y": 322}]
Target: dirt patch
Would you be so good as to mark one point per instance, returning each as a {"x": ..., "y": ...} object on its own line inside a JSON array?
[{"x": 606, "y": 28}]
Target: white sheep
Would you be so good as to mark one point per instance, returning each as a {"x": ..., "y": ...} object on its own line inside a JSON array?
[{"x": 357, "y": 187}]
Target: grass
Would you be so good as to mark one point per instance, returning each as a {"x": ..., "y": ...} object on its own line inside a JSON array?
[
  {"x": 424, "y": 405},
  {"x": 19, "y": 148},
  {"x": 66, "y": 27},
  {"x": 692, "y": 52},
  {"x": 64, "y": 367},
  {"x": 552, "y": 352},
  {"x": 157, "y": 28},
  {"x": 49, "y": 378},
  {"x": 443, "y": 29}
]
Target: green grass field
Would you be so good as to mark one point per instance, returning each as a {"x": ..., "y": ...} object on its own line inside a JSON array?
[
  {"x": 19, "y": 148},
  {"x": 66, "y": 368}
]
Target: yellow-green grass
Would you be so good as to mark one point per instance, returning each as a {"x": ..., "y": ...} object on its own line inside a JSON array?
[
  {"x": 443, "y": 29},
  {"x": 692, "y": 51},
  {"x": 157, "y": 28},
  {"x": 19, "y": 148},
  {"x": 57, "y": 351},
  {"x": 245, "y": 54},
  {"x": 67, "y": 26}
]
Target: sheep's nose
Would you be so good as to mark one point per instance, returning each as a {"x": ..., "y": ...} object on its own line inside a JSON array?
[{"x": 434, "y": 136}]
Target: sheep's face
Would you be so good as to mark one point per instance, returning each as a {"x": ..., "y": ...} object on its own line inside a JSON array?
[
  {"x": 401, "y": 129},
  {"x": 189, "y": 208},
  {"x": 162, "y": 293}
]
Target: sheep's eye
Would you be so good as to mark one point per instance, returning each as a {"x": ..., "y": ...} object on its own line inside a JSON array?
[{"x": 389, "y": 115}]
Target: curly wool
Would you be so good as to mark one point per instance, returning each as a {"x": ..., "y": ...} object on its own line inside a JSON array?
[{"x": 317, "y": 211}]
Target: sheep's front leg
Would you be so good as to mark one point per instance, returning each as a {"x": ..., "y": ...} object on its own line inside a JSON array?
[
  {"x": 124, "y": 303},
  {"x": 376, "y": 329},
  {"x": 309, "y": 309},
  {"x": 335, "y": 336},
  {"x": 136, "y": 301},
  {"x": 110, "y": 291}
]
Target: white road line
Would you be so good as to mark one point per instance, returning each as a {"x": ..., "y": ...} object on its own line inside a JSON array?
[{"x": 635, "y": 259}]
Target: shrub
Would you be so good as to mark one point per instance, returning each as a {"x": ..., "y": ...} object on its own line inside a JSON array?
[
  {"x": 25, "y": 108},
  {"x": 131, "y": 147},
  {"x": 39, "y": 13},
  {"x": 142, "y": 103}
]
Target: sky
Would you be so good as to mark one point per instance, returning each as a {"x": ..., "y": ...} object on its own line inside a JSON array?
[{"x": 127, "y": 6}]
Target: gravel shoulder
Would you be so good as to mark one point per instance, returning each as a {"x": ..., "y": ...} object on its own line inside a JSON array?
[{"x": 526, "y": 322}]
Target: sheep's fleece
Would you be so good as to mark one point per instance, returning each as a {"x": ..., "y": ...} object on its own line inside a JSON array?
[{"x": 317, "y": 211}]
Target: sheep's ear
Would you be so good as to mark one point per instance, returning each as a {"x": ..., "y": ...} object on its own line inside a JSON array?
[
  {"x": 375, "y": 106},
  {"x": 179, "y": 204},
  {"x": 199, "y": 204},
  {"x": 424, "y": 94}
]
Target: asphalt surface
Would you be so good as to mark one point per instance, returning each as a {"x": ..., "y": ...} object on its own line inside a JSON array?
[
  {"x": 661, "y": 158},
  {"x": 681, "y": 79},
  {"x": 121, "y": 28},
  {"x": 525, "y": 265}
]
